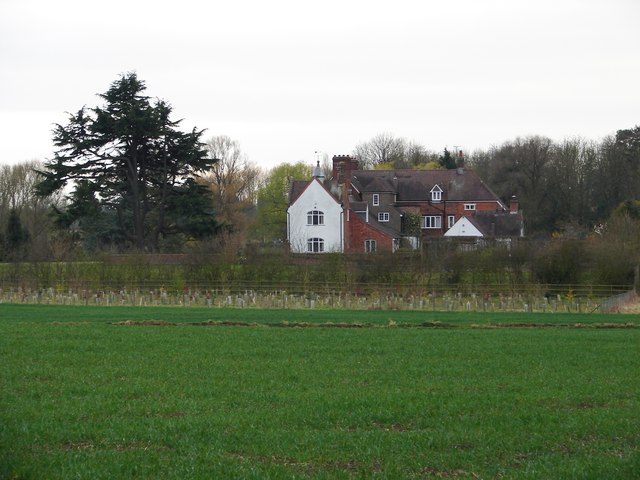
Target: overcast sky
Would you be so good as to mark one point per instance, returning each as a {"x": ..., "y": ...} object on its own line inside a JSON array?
[{"x": 289, "y": 78}]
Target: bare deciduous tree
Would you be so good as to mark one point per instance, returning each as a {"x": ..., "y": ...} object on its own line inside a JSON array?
[
  {"x": 233, "y": 181},
  {"x": 383, "y": 148},
  {"x": 386, "y": 151},
  {"x": 17, "y": 194}
]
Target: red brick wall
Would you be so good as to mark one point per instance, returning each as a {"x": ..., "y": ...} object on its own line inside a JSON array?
[
  {"x": 359, "y": 231},
  {"x": 458, "y": 210}
]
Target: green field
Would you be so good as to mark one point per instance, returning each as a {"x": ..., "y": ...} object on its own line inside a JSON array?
[{"x": 119, "y": 392}]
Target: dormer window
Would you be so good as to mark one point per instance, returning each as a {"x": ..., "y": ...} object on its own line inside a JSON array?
[
  {"x": 376, "y": 199},
  {"x": 436, "y": 194}
]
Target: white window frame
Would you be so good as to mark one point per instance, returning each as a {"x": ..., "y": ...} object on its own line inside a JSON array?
[
  {"x": 383, "y": 216},
  {"x": 469, "y": 207},
  {"x": 315, "y": 245},
  {"x": 376, "y": 199},
  {"x": 436, "y": 194},
  {"x": 315, "y": 217},
  {"x": 431, "y": 221},
  {"x": 370, "y": 246},
  {"x": 451, "y": 220}
]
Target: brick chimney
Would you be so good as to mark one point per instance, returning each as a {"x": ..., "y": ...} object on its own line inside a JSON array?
[
  {"x": 343, "y": 165},
  {"x": 514, "y": 204},
  {"x": 460, "y": 162}
]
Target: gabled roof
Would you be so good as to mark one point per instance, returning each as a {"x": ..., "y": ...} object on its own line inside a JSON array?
[
  {"x": 416, "y": 185},
  {"x": 499, "y": 224},
  {"x": 374, "y": 224},
  {"x": 488, "y": 225},
  {"x": 464, "y": 228},
  {"x": 299, "y": 186}
]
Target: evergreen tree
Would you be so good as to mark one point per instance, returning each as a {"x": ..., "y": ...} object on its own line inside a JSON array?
[
  {"x": 447, "y": 161},
  {"x": 16, "y": 237},
  {"x": 129, "y": 162}
]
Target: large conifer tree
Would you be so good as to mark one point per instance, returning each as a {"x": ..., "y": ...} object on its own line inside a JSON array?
[{"x": 132, "y": 159}]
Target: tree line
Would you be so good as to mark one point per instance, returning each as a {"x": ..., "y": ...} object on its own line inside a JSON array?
[{"x": 125, "y": 177}]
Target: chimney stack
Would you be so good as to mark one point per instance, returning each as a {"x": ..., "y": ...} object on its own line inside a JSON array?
[
  {"x": 460, "y": 163},
  {"x": 514, "y": 204},
  {"x": 343, "y": 165}
]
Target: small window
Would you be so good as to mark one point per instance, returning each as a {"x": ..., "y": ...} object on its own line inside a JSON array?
[
  {"x": 376, "y": 199},
  {"x": 315, "y": 217},
  {"x": 451, "y": 219},
  {"x": 315, "y": 245},
  {"x": 469, "y": 206},
  {"x": 432, "y": 221},
  {"x": 383, "y": 216},
  {"x": 370, "y": 246}
]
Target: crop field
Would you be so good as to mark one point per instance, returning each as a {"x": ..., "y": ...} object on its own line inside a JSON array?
[{"x": 180, "y": 393}]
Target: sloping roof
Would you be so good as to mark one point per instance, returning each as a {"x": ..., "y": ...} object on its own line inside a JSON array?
[
  {"x": 358, "y": 206},
  {"x": 499, "y": 224},
  {"x": 299, "y": 186},
  {"x": 365, "y": 182},
  {"x": 416, "y": 185},
  {"x": 493, "y": 224},
  {"x": 375, "y": 225}
]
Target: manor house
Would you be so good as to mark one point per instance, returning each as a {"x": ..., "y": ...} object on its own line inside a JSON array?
[{"x": 383, "y": 210}]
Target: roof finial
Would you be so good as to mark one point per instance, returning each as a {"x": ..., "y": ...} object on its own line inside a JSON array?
[{"x": 318, "y": 172}]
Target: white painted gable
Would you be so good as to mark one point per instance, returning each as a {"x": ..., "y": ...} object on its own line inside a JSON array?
[
  {"x": 463, "y": 228},
  {"x": 315, "y": 197}
]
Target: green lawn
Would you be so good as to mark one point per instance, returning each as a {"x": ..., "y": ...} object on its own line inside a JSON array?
[{"x": 84, "y": 396}]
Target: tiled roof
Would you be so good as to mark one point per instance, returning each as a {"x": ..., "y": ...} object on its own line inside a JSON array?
[
  {"x": 297, "y": 187},
  {"x": 416, "y": 185},
  {"x": 384, "y": 228},
  {"x": 358, "y": 206},
  {"x": 498, "y": 224}
]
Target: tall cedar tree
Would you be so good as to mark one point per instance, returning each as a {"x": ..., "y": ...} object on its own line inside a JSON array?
[{"x": 132, "y": 159}]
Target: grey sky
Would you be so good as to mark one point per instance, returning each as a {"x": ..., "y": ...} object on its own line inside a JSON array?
[{"x": 287, "y": 78}]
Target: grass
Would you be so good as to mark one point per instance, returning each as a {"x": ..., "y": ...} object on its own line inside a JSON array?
[
  {"x": 106, "y": 314},
  {"x": 85, "y": 396}
]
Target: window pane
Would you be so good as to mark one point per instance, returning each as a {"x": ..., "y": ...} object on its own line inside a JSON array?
[
  {"x": 432, "y": 221},
  {"x": 315, "y": 217},
  {"x": 315, "y": 245},
  {"x": 369, "y": 246}
]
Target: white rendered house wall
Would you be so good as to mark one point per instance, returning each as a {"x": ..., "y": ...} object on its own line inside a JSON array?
[
  {"x": 463, "y": 228},
  {"x": 305, "y": 232}
]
